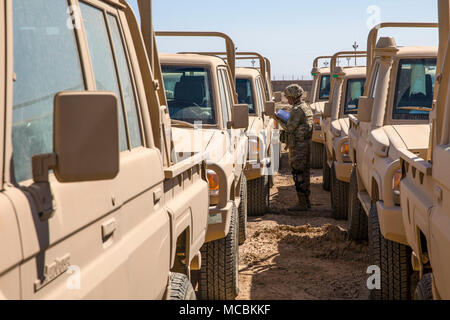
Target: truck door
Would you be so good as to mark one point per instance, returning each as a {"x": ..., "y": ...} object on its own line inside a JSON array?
[
  {"x": 439, "y": 235},
  {"x": 237, "y": 136},
  {"x": 102, "y": 237}
]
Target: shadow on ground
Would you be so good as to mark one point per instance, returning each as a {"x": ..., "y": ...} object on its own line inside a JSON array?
[{"x": 304, "y": 255}]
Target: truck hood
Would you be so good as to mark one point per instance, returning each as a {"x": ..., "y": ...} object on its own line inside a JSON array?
[
  {"x": 415, "y": 137},
  {"x": 190, "y": 140},
  {"x": 345, "y": 125},
  {"x": 251, "y": 123}
]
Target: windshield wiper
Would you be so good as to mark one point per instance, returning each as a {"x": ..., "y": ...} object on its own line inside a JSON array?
[
  {"x": 182, "y": 123},
  {"x": 415, "y": 108}
]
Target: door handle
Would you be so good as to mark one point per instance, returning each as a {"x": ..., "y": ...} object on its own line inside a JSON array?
[{"x": 108, "y": 228}]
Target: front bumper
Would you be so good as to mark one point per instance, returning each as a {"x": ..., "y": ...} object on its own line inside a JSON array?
[
  {"x": 219, "y": 220},
  {"x": 254, "y": 169},
  {"x": 391, "y": 223},
  {"x": 343, "y": 170},
  {"x": 318, "y": 137}
]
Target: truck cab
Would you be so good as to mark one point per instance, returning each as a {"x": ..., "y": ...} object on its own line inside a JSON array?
[
  {"x": 318, "y": 96},
  {"x": 206, "y": 117},
  {"x": 348, "y": 85},
  {"x": 425, "y": 187},
  {"x": 83, "y": 167},
  {"x": 264, "y": 145},
  {"x": 392, "y": 116}
]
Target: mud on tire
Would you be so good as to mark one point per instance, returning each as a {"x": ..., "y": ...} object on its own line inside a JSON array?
[
  {"x": 317, "y": 150},
  {"x": 180, "y": 287},
  {"x": 394, "y": 261},
  {"x": 326, "y": 172},
  {"x": 357, "y": 217},
  {"x": 218, "y": 277},
  {"x": 258, "y": 196},
  {"x": 339, "y": 196},
  {"x": 242, "y": 210}
]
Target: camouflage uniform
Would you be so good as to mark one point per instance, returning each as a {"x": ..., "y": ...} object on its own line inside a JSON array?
[{"x": 299, "y": 132}]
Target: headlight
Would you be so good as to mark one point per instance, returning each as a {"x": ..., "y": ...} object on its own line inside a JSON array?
[
  {"x": 345, "y": 149},
  {"x": 396, "y": 180},
  {"x": 213, "y": 180}
]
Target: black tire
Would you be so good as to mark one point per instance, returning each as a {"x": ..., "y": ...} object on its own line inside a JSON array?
[
  {"x": 180, "y": 287},
  {"x": 339, "y": 196},
  {"x": 258, "y": 196},
  {"x": 326, "y": 173},
  {"x": 394, "y": 261},
  {"x": 220, "y": 266},
  {"x": 375, "y": 244},
  {"x": 424, "y": 289},
  {"x": 316, "y": 155},
  {"x": 242, "y": 210},
  {"x": 357, "y": 217}
]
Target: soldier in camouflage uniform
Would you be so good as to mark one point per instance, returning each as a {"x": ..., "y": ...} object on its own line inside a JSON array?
[{"x": 298, "y": 135}]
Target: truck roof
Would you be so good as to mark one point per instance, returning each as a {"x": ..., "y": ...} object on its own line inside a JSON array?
[
  {"x": 354, "y": 71},
  {"x": 191, "y": 59},
  {"x": 247, "y": 72},
  {"x": 414, "y": 51}
]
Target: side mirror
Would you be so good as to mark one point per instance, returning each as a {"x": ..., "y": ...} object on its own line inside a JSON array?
[
  {"x": 269, "y": 108},
  {"x": 327, "y": 110},
  {"x": 239, "y": 117},
  {"x": 278, "y": 96},
  {"x": 365, "y": 106},
  {"x": 85, "y": 136}
]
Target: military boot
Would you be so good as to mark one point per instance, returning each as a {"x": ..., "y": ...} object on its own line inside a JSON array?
[
  {"x": 302, "y": 203},
  {"x": 308, "y": 202}
]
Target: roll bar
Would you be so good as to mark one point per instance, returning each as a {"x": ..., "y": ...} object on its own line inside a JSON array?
[
  {"x": 264, "y": 63},
  {"x": 230, "y": 47},
  {"x": 373, "y": 36},
  {"x": 316, "y": 60},
  {"x": 345, "y": 54},
  {"x": 334, "y": 58}
]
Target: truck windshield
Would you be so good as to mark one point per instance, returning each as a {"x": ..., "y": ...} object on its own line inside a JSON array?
[
  {"x": 324, "y": 92},
  {"x": 245, "y": 94},
  {"x": 414, "y": 89},
  {"x": 355, "y": 89},
  {"x": 188, "y": 92}
]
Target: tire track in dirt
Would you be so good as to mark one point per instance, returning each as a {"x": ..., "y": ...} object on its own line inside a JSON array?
[{"x": 305, "y": 255}]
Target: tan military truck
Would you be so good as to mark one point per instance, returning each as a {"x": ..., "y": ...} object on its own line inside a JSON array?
[
  {"x": 263, "y": 134},
  {"x": 347, "y": 86},
  {"x": 253, "y": 88},
  {"x": 206, "y": 117},
  {"x": 425, "y": 187},
  {"x": 392, "y": 116},
  {"x": 264, "y": 144},
  {"x": 89, "y": 208},
  {"x": 318, "y": 96}
]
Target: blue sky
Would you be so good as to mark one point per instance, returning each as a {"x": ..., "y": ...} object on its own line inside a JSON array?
[{"x": 290, "y": 32}]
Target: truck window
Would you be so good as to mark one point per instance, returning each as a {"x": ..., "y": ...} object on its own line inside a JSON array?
[
  {"x": 46, "y": 62},
  {"x": 355, "y": 89},
  {"x": 260, "y": 94},
  {"x": 102, "y": 59},
  {"x": 373, "y": 90},
  {"x": 228, "y": 91},
  {"x": 223, "y": 99},
  {"x": 245, "y": 94},
  {"x": 324, "y": 91},
  {"x": 414, "y": 89},
  {"x": 188, "y": 92},
  {"x": 129, "y": 97}
]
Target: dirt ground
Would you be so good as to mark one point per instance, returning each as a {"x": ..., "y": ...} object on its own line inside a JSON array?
[{"x": 305, "y": 255}]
